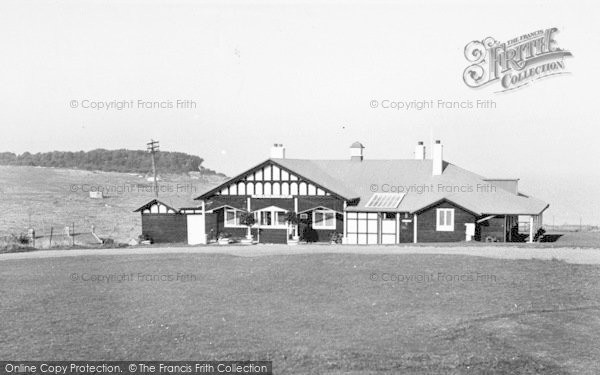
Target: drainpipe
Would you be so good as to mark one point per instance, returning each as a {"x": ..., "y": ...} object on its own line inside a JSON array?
[
  {"x": 248, "y": 208},
  {"x": 397, "y": 227},
  {"x": 415, "y": 228},
  {"x": 296, "y": 212},
  {"x": 345, "y": 238},
  {"x": 205, "y": 237}
]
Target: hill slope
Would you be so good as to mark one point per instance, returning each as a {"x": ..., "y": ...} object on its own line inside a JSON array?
[{"x": 44, "y": 198}]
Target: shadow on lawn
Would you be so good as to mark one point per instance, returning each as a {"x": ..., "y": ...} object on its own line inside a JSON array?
[
  {"x": 483, "y": 352},
  {"x": 490, "y": 318},
  {"x": 474, "y": 340},
  {"x": 550, "y": 237}
]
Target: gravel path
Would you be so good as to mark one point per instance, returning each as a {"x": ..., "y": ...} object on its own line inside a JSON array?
[{"x": 570, "y": 255}]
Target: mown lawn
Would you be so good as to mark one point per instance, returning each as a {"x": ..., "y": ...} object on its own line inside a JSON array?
[{"x": 309, "y": 313}]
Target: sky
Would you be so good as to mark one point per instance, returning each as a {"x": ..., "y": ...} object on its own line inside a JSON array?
[{"x": 304, "y": 74}]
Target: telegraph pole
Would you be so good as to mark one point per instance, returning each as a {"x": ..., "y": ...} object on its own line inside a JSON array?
[{"x": 152, "y": 149}]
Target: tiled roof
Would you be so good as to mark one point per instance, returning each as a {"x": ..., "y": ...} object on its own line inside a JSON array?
[
  {"x": 174, "y": 202},
  {"x": 361, "y": 179}
]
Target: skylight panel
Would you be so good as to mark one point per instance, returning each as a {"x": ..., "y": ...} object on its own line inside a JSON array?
[{"x": 385, "y": 200}]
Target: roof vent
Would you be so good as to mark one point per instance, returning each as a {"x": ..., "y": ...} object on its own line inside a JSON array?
[{"x": 356, "y": 151}]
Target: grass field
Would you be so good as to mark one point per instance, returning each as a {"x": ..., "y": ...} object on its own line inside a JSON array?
[
  {"x": 328, "y": 313},
  {"x": 47, "y": 197}
]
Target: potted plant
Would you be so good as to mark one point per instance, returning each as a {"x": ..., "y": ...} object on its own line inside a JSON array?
[
  {"x": 247, "y": 219},
  {"x": 292, "y": 220},
  {"x": 212, "y": 236},
  {"x": 224, "y": 238},
  {"x": 145, "y": 239},
  {"x": 336, "y": 238}
]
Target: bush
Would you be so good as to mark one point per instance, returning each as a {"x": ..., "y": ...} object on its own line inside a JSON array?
[
  {"x": 22, "y": 239},
  {"x": 136, "y": 161},
  {"x": 292, "y": 218},
  {"x": 142, "y": 237},
  {"x": 247, "y": 219},
  {"x": 14, "y": 244},
  {"x": 336, "y": 237},
  {"x": 224, "y": 235},
  {"x": 539, "y": 235}
]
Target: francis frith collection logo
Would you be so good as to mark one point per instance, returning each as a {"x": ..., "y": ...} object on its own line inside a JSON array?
[{"x": 514, "y": 63}]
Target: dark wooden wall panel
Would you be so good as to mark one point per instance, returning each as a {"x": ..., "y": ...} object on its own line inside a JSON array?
[
  {"x": 273, "y": 236},
  {"x": 162, "y": 228},
  {"x": 426, "y": 224}
]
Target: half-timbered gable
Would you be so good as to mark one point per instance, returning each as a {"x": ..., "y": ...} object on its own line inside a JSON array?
[{"x": 269, "y": 179}]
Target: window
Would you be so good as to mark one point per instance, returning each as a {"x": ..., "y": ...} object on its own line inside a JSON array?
[
  {"x": 265, "y": 218},
  {"x": 280, "y": 219},
  {"x": 232, "y": 218},
  {"x": 362, "y": 228},
  {"x": 445, "y": 219},
  {"x": 271, "y": 218},
  {"x": 323, "y": 219}
]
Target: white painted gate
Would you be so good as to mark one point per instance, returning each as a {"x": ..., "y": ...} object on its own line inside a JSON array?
[{"x": 196, "y": 229}]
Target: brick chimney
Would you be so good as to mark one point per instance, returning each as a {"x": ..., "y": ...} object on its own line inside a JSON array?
[
  {"x": 438, "y": 158},
  {"x": 420, "y": 151},
  {"x": 277, "y": 151}
]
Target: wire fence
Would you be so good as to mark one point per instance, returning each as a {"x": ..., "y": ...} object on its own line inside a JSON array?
[{"x": 79, "y": 233}]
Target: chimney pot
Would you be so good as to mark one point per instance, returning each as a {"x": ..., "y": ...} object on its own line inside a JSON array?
[
  {"x": 420, "y": 151},
  {"x": 277, "y": 151}
]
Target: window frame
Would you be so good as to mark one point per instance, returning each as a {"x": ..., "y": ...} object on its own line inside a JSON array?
[
  {"x": 444, "y": 227},
  {"x": 237, "y": 214},
  {"x": 324, "y": 227},
  {"x": 274, "y": 219}
]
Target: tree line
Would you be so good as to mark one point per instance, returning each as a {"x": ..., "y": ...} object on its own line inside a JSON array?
[{"x": 126, "y": 161}]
